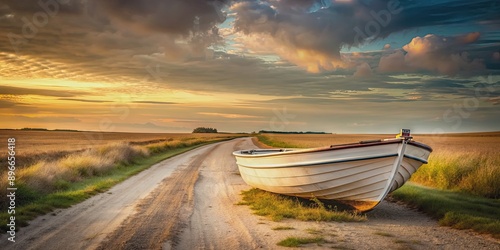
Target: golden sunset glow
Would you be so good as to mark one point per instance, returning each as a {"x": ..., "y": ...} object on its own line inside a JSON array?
[{"x": 249, "y": 66}]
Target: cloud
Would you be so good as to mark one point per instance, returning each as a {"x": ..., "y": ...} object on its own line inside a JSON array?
[
  {"x": 311, "y": 34},
  {"x": 311, "y": 39},
  {"x": 154, "y": 102},
  {"x": 182, "y": 17},
  {"x": 363, "y": 70},
  {"x": 394, "y": 62},
  {"x": 116, "y": 40},
  {"x": 496, "y": 56},
  {"x": 176, "y": 28},
  {"x": 21, "y": 119},
  {"x": 83, "y": 100},
  {"x": 190, "y": 26},
  {"x": 434, "y": 53},
  {"x": 5, "y": 104},
  {"x": 9, "y": 90},
  {"x": 231, "y": 116},
  {"x": 148, "y": 126}
]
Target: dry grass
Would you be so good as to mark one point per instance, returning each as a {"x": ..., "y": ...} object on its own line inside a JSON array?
[
  {"x": 47, "y": 176},
  {"x": 460, "y": 162}
]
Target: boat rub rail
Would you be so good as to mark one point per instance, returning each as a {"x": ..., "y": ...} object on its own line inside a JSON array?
[{"x": 255, "y": 152}]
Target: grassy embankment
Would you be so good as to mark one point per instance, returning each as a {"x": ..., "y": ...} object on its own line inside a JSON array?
[
  {"x": 459, "y": 186},
  {"x": 63, "y": 181}
]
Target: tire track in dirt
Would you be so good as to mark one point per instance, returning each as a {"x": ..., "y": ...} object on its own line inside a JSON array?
[{"x": 160, "y": 216}]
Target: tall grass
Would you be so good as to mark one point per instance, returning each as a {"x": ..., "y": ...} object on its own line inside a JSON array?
[{"x": 474, "y": 172}]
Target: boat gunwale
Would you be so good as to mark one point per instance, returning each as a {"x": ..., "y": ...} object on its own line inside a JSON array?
[
  {"x": 360, "y": 144},
  {"x": 341, "y": 161},
  {"x": 327, "y": 162}
]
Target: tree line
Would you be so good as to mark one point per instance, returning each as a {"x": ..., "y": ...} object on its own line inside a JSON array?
[{"x": 204, "y": 130}]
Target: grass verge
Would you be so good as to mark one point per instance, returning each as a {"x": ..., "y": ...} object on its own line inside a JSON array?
[
  {"x": 297, "y": 241},
  {"x": 277, "y": 207},
  {"x": 457, "y": 210},
  {"x": 75, "y": 192},
  {"x": 273, "y": 143}
]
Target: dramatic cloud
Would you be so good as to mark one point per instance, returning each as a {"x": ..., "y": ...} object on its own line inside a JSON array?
[
  {"x": 182, "y": 17},
  {"x": 394, "y": 62},
  {"x": 103, "y": 36},
  {"x": 363, "y": 70},
  {"x": 436, "y": 54},
  {"x": 311, "y": 34},
  {"x": 182, "y": 29},
  {"x": 233, "y": 63}
]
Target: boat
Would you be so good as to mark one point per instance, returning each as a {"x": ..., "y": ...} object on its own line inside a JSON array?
[{"x": 357, "y": 174}]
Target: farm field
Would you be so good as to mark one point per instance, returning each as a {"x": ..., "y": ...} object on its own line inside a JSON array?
[
  {"x": 455, "y": 142},
  {"x": 36, "y": 142},
  {"x": 32, "y": 146}
]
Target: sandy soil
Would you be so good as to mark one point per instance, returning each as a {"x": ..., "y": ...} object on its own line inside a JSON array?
[{"x": 188, "y": 202}]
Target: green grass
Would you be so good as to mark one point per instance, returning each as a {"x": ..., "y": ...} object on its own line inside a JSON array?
[
  {"x": 277, "y": 144},
  {"x": 298, "y": 241},
  {"x": 36, "y": 203},
  {"x": 457, "y": 210},
  {"x": 277, "y": 207}
]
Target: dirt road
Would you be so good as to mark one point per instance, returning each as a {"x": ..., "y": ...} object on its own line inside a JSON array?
[{"x": 188, "y": 202}]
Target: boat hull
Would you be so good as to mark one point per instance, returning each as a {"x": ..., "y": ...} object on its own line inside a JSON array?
[{"x": 360, "y": 175}]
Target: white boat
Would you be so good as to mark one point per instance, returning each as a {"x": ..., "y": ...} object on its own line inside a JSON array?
[{"x": 358, "y": 174}]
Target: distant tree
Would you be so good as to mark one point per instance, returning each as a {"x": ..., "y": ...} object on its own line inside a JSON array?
[
  {"x": 36, "y": 129},
  {"x": 204, "y": 130}
]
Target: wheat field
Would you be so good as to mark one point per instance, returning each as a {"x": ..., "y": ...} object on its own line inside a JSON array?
[{"x": 33, "y": 146}]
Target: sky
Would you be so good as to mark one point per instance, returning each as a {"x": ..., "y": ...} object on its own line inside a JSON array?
[{"x": 338, "y": 66}]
